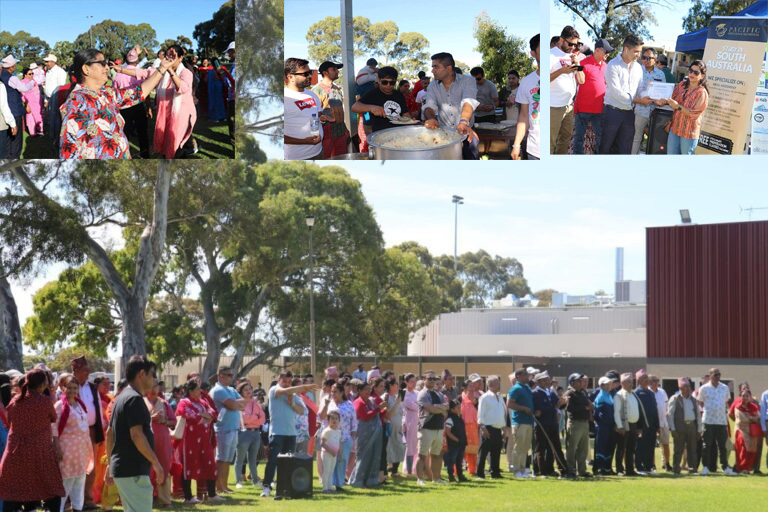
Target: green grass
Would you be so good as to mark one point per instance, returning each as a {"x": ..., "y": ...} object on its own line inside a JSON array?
[{"x": 659, "y": 493}]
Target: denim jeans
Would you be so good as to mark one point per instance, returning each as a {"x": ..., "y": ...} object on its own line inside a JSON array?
[
  {"x": 342, "y": 459},
  {"x": 277, "y": 444},
  {"x": 453, "y": 459},
  {"x": 248, "y": 444},
  {"x": 680, "y": 145},
  {"x": 582, "y": 121}
]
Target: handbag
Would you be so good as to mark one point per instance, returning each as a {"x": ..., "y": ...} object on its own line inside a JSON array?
[{"x": 178, "y": 432}]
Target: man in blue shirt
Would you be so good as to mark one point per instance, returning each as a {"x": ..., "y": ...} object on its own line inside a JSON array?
[
  {"x": 284, "y": 405},
  {"x": 228, "y": 404},
  {"x": 546, "y": 436},
  {"x": 520, "y": 401},
  {"x": 643, "y": 104}
]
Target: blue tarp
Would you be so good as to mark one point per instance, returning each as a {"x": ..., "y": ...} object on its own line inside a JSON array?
[{"x": 695, "y": 41}]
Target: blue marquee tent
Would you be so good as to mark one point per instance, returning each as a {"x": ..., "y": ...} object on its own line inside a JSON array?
[{"x": 695, "y": 42}]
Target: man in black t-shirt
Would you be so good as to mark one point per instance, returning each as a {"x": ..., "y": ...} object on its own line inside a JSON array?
[
  {"x": 130, "y": 443},
  {"x": 386, "y": 102}
]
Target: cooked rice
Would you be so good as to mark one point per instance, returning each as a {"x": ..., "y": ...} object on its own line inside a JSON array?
[{"x": 423, "y": 141}]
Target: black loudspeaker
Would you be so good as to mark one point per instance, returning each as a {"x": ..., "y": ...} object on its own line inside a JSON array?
[
  {"x": 657, "y": 137},
  {"x": 294, "y": 476}
]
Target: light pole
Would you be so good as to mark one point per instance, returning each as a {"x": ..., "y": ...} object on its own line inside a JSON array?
[
  {"x": 457, "y": 200},
  {"x": 89, "y": 31},
  {"x": 310, "y": 224}
]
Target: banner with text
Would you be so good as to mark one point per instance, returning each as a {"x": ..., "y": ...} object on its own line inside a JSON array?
[{"x": 733, "y": 56}]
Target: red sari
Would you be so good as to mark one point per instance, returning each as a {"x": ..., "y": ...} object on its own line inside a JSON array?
[
  {"x": 748, "y": 433},
  {"x": 196, "y": 449}
]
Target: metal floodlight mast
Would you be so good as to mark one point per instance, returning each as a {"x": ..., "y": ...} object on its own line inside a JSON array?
[
  {"x": 456, "y": 200},
  {"x": 310, "y": 220},
  {"x": 685, "y": 216}
]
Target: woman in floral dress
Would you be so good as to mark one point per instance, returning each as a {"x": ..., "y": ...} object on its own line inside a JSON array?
[
  {"x": 196, "y": 447},
  {"x": 75, "y": 442},
  {"x": 91, "y": 125}
]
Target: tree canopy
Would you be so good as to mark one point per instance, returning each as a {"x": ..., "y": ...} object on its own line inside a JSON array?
[
  {"x": 501, "y": 52},
  {"x": 700, "y": 14},
  {"x": 115, "y": 38},
  {"x": 24, "y": 47},
  {"x": 614, "y": 19},
  {"x": 213, "y": 36}
]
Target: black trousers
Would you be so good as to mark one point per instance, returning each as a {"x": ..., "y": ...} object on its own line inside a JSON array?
[
  {"x": 544, "y": 457},
  {"x": 187, "y": 486},
  {"x": 490, "y": 447},
  {"x": 714, "y": 435},
  {"x": 137, "y": 116},
  {"x": 15, "y": 142},
  {"x": 644, "y": 452},
  {"x": 628, "y": 442},
  {"x": 51, "y": 504},
  {"x": 618, "y": 131}
]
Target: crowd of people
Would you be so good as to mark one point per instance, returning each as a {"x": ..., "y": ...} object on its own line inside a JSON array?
[
  {"x": 601, "y": 106},
  {"x": 142, "y": 448},
  {"x": 314, "y": 115},
  {"x": 90, "y": 109}
]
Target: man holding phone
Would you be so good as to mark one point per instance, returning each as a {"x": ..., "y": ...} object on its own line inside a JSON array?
[
  {"x": 590, "y": 97},
  {"x": 565, "y": 73}
]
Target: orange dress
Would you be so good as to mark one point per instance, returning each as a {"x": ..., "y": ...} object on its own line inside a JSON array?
[{"x": 469, "y": 415}]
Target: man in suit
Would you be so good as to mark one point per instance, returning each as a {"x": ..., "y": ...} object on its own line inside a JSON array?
[{"x": 684, "y": 419}]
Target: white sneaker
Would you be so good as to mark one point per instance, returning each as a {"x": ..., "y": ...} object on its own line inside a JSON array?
[
  {"x": 440, "y": 482},
  {"x": 730, "y": 472},
  {"x": 239, "y": 485},
  {"x": 704, "y": 471},
  {"x": 527, "y": 472},
  {"x": 193, "y": 501},
  {"x": 420, "y": 482},
  {"x": 265, "y": 492}
]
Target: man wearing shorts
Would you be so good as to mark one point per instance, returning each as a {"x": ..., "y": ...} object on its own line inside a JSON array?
[
  {"x": 432, "y": 413},
  {"x": 229, "y": 404}
]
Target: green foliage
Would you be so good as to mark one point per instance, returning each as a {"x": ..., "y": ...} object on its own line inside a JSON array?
[
  {"x": 381, "y": 38},
  {"x": 700, "y": 13},
  {"x": 260, "y": 78},
  {"x": 24, "y": 47},
  {"x": 65, "y": 53},
  {"x": 410, "y": 54},
  {"x": 545, "y": 297},
  {"x": 613, "y": 19},
  {"x": 115, "y": 38},
  {"x": 213, "y": 36},
  {"x": 501, "y": 52},
  {"x": 182, "y": 41},
  {"x": 324, "y": 38},
  {"x": 488, "y": 278}
]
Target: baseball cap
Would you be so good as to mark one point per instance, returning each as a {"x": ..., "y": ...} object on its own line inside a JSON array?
[
  {"x": 603, "y": 380},
  {"x": 575, "y": 376},
  {"x": 604, "y": 44},
  {"x": 328, "y": 64}
]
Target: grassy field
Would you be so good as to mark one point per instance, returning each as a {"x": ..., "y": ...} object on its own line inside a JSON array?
[{"x": 659, "y": 493}]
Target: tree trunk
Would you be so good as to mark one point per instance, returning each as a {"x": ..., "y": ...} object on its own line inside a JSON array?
[
  {"x": 133, "y": 336},
  {"x": 212, "y": 335},
  {"x": 10, "y": 329}
]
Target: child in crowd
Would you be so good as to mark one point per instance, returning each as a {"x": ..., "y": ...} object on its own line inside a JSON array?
[
  {"x": 456, "y": 437},
  {"x": 330, "y": 442}
]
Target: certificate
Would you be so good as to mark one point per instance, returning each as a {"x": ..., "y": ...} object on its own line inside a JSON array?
[{"x": 660, "y": 90}]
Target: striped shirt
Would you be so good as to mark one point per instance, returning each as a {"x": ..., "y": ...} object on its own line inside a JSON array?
[{"x": 688, "y": 127}]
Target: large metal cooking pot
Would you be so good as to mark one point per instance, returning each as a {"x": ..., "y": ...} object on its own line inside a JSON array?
[
  {"x": 379, "y": 151},
  {"x": 351, "y": 156}
]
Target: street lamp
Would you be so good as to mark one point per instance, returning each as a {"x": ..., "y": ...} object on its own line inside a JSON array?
[
  {"x": 89, "y": 31},
  {"x": 457, "y": 200},
  {"x": 685, "y": 216},
  {"x": 310, "y": 220}
]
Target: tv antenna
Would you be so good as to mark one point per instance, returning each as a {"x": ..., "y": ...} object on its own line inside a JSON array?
[{"x": 751, "y": 209}]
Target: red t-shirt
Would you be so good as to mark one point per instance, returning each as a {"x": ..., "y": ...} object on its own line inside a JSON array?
[
  {"x": 417, "y": 88},
  {"x": 590, "y": 94}
]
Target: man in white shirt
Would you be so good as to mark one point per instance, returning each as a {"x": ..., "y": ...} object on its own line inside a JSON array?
[
  {"x": 159, "y": 60},
  {"x": 713, "y": 397},
  {"x": 300, "y": 143},
  {"x": 661, "y": 406},
  {"x": 529, "y": 119},
  {"x": 492, "y": 418},
  {"x": 563, "y": 76},
  {"x": 14, "y": 89},
  {"x": 626, "y": 414},
  {"x": 54, "y": 77},
  {"x": 7, "y": 122},
  {"x": 623, "y": 76}
]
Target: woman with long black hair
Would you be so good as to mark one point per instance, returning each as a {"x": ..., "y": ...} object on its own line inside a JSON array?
[{"x": 689, "y": 101}]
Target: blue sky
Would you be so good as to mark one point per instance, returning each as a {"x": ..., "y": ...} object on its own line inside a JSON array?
[
  {"x": 449, "y": 30},
  {"x": 669, "y": 17},
  {"x": 64, "y": 20}
]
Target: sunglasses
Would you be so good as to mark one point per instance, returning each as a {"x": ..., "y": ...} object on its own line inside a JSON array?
[
  {"x": 103, "y": 62},
  {"x": 572, "y": 44},
  {"x": 478, "y": 78},
  {"x": 305, "y": 74},
  {"x": 694, "y": 72},
  {"x": 387, "y": 82},
  {"x": 647, "y": 58}
]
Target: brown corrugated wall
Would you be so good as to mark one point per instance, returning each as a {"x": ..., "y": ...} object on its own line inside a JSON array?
[{"x": 708, "y": 290}]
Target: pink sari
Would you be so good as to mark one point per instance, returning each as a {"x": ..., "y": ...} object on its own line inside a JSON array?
[{"x": 34, "y": 118}]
